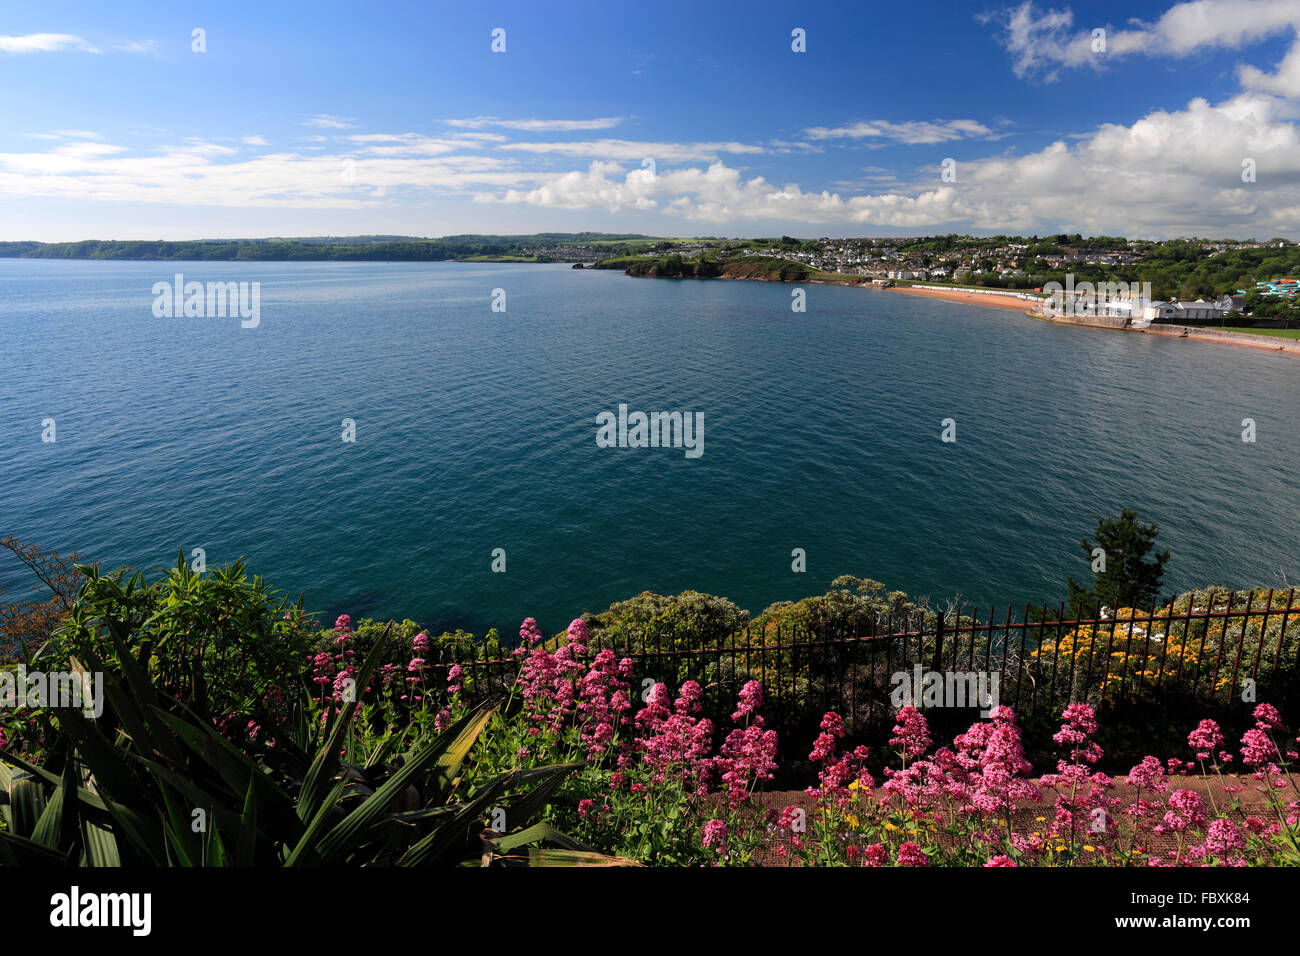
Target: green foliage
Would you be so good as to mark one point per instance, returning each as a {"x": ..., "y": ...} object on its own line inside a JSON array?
[
  {"x": 1128, "y": 579},
  {"x": 852, "y": 606},
  {"x": 219, "y": 642},
  {"x": 650, "y": 622},
  {"x": 152, "y": 783}
]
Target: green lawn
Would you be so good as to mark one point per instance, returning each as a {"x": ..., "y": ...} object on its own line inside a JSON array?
[{"x": 1283, "y": 333}]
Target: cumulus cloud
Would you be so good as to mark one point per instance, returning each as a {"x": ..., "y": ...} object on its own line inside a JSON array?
[
  {"x": 1042, "y": 42},
  {"x": 1284, "y": 82},
  {"x": 1171, "y": 172}
]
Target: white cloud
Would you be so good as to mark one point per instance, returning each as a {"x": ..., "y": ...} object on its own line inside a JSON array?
[
  {"x": 44, "y": 43},
  {"x": 622, "y": 149},
  {"x": 138, "y": 46},
  {"x": 1172, "y": 172},
  {"x": 1042, "y": 43},
  {"x": 910, "y": 132},
  {"x": 417, "y": 144},
  {"x": 1284, "y": 82},
  {"x": 254, "y": 141},
  {"x": 66, "y": 134},
  {"x": 326, "y": 121},
  {"x": 537, "y": 125}
]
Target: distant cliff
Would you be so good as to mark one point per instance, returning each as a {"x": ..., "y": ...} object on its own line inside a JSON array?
[{"x": 676, "y": 267}]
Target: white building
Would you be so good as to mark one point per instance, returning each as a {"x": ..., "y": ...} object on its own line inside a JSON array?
[{"x": 1177, "y": 312}]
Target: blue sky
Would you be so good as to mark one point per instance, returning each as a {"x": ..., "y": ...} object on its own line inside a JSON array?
[{"x": 331, "y": 118}]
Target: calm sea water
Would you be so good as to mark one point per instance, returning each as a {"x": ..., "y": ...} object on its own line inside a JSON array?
[{"x": 476, "y": 430}]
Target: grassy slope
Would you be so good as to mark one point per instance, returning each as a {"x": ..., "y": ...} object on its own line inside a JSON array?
[{"x": 1280, "y": 333}]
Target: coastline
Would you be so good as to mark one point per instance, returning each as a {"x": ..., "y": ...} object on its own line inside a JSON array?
[{"x": 1206, "y": 334}]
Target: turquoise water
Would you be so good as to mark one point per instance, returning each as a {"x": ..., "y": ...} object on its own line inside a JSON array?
[{"x": 476, "y": 430}]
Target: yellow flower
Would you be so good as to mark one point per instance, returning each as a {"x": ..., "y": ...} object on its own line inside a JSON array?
[
  {"x": 1040, "y": 820},
  {"x": 852, "y": 820},
  {"x": 854, "y": 785},
  {"x": 890, "y": 826},
  {"x": 1090, "y": 849}
]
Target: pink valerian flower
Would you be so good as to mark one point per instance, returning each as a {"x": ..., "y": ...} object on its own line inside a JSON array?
[
  {"x": 676, "y": 744},
  {"x": 877, "y": 854},
  {"x": 1082, "y": 803},
  {"x": 1148, "y": 775},
  {"x": 1206, "y": 740},
  {"x": 1259, "y": 828},
  {"x": 751, "y": 699},
  {"x": 917, "y": 784},
  {"x": 656, "y": 710},
  {"x": 1222, "y": 840},
  {"x": 322, "y": 668},
  {"x": 1257, "y": 748},
  {"x": 1001, "y": 860},
  {"x": 578, "y": 638},
  {"x": 748, "y": 758},
  {"x": 832, "y": 727},
  {"x": 789, "y": 815},
  {"x": 911, "y": 854},
  {"x": 602, "y": 703},
  {"x": 420, "y": 642},
  {"x": 1185, "y": 809},
  {"x": 1080, "y": 723},
  {"x": 547, "y": 683},
  {"x": 715, "y": 836},
  {"x": 529, "y": 637},
  {"x": 987, "y": 771},
  {"x": 911, "y": 733},
  {"x": 689, "y": 701},
  {"x": 584, "y": 807},
  {"x": 1267, "y": 718},
  {"x": 833, "y": 724},
  {"x": 442, "y": 720},
  {"x": 343, "y": 682},
  {"x": 454, "y": 675},
  {"x": 748, "y": 754}
]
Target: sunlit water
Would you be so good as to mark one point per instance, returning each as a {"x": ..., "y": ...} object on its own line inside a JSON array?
[{"x": 476, "y": 430}]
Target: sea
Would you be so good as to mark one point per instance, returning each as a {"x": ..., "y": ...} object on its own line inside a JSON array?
[{"x": 424, "y": 440}]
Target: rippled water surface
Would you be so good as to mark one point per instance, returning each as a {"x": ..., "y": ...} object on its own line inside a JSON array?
[{"x": 477, "y": 430}]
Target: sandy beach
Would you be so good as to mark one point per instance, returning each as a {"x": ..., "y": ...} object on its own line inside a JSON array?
[{"x": 974, "y": 298}]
